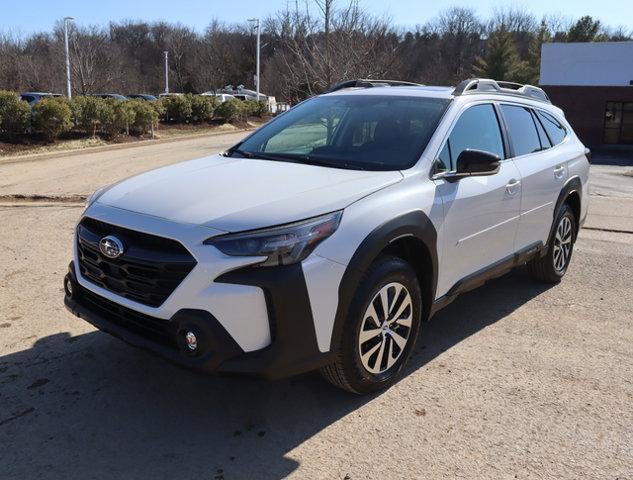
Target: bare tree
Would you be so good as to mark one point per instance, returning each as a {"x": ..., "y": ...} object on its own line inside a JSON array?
[
  {"x": 460, "y": 41},
  {"x": 95, "y": 61},
  {"x": 225, "y": 55},
  {"x": 318, "y": 51},
  {"x": 520, "y": 23}
]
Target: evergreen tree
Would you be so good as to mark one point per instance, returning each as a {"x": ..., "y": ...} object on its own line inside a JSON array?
[
  {"x": 533, "y": 65},
  {"x": 584, "y": 30},
  {"x": 502, "y": 60}
]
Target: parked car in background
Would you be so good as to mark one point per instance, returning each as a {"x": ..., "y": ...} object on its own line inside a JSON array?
[
  {"x": 116, "y": 96},
  {"x": 220, "y": 97},
  {"x": 246, "y": 94},
  {"x": 243, "y": 97},
  {"x": 142, "y": 96},
  {"x": 33, "y": 97},
  {"x": 162, "y": 95}
]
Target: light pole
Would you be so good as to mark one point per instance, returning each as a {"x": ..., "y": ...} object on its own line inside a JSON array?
[
  {"x": 256, "y": 20},
  {"x": 166, "y": 71},
  {"x": 66, "y": 20}
]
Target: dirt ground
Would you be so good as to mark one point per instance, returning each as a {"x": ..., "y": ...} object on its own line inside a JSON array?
[
  {"x": 513, "y": 380},
  {"x": 80, "y": 173}
]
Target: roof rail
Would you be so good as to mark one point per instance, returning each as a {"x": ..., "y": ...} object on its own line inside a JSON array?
[
  {"x": 371, "y": 82},
  {"x": 487, "y": 85}
]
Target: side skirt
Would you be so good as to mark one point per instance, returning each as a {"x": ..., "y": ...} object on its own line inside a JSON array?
[{"x": 480, "y": 277}]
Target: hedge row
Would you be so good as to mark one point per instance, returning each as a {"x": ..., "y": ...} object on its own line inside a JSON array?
[
  {"x": 200, "y": 108},
  {"x": 54, "y": 116}
]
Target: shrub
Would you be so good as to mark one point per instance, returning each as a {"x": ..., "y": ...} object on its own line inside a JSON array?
[
  {"x": 106, "y": 117},
  {"x": 76, "y": 107},
  {"x": 124, "y": 115},
  {"x": 202, "y": 107},
  {"x": 15, "y": 114},
  {"x": 248, "y": 106},
  {"x": 159, "y": 107},
  {"x": 52, "y": 116},
  {"x": 85, "y": 113},
  {"x": 230, "y": 110},
  {"x": 177, "y": 107},
  {"x": 92, "y": 113},
  {"x": 260, "y": 108},
  {"x": 146, "y": 115}
]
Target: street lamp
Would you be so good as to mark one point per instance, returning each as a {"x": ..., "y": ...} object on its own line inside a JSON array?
[
  {"x": 166, "y": 71},
  {"x": 66, "y": 20},
  {"x": 256, "y": 21}
]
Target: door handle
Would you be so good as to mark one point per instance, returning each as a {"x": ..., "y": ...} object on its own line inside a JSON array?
[
  {"x": 559, "y": 171},
  {"x": 513, "y": 187}
]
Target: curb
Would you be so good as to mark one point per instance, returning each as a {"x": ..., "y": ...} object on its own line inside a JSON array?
[{"x": 117, "y": 146}]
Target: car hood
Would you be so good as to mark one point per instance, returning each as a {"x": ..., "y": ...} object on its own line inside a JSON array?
[{"x": 234, "y": 194}]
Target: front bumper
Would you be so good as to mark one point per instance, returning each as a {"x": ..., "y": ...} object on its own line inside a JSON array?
[{"x": 293, "y": 348}]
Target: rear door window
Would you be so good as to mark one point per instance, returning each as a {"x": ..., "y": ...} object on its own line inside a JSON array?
[
  {"x": 555, "y": 130},
  {"x": 522, "y": 130}
]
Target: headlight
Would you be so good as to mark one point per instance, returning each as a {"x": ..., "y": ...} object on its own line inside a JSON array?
[
  {"x": 91, "y": 198},
  {"x": 282, "y": 245}
]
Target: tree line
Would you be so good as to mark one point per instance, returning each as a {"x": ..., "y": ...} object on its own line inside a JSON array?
[{"x": 306, "y": 48}]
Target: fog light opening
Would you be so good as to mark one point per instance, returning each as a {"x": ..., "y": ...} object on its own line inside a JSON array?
[
  {"x": 191, "y": 341},
  {"x": 69, "y": 287}
]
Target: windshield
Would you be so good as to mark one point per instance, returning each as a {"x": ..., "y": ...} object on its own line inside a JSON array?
[{"x": 363, "y": 132}]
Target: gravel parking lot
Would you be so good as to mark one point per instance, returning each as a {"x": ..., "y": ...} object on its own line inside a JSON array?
[{"x": 513, "y": 380}]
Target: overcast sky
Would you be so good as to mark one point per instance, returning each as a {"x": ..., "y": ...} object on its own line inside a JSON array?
[{"x": 38, "y": 15}]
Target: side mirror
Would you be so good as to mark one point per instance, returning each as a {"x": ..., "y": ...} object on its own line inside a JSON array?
[{"x": 477, "y": 162}]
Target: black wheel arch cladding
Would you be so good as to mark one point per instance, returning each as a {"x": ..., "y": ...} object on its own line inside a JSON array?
[
  {"x": 414, "y": 224},
  {"x": 572, "y": 186}
]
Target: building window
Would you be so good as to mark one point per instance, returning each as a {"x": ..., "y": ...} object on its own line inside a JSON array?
[{"x": 618, "y": 122}]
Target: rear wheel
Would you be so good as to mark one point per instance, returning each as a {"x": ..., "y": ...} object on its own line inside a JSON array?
[
  {"x": 380, "y": 330},
  {"x": 553, "y": 266}
]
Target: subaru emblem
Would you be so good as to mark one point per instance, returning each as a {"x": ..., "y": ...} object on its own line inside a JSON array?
[{"x": 111, "y": 246}]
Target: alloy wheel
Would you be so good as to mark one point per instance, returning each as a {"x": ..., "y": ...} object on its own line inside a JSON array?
[
  {"x": 386, "y": 328},
  {"x": 562, "y": 244}
]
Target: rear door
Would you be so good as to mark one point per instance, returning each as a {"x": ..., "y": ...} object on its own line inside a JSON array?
[
  {"x": 480, "y": 212},
  {"x": 543, "y": 173}
]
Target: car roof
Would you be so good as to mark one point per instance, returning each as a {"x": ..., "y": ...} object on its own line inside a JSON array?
[
  {"x": 446, "y": 93},
  {"x": 405, "y": 91},
  {"x": 40, "y": 93}
]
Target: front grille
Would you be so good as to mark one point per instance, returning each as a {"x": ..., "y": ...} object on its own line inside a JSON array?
[
  {"x": 149, "y": 270},
  {"x": 152, "y": 328}
]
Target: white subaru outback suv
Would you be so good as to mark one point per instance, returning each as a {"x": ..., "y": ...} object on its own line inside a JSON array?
[{"x": 327, "y": 237}]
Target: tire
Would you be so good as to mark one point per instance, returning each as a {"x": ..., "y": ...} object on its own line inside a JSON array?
[
  {"x": 375, "y": 361},
  {"x": 552, "y": 267}
]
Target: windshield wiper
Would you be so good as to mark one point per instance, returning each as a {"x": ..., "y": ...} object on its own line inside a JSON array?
[
  {"x": 324, "y": 162},
  {"x": 304, "y": 159},
  {"x": 246, "y": 154}
]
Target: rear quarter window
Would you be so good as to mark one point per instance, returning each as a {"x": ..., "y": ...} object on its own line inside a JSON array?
[{"x": 553, "y": 127}]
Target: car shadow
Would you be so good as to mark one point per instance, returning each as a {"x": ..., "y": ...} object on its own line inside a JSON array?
[{"x": 92, "y": 407}]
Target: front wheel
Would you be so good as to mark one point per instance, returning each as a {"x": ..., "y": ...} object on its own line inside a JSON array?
[
  {"x": 553, "y": 266},
  {"x": 381, "y": 328}
]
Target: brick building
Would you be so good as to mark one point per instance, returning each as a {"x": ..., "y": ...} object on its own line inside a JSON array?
[{"x": 593, "y": 84}]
